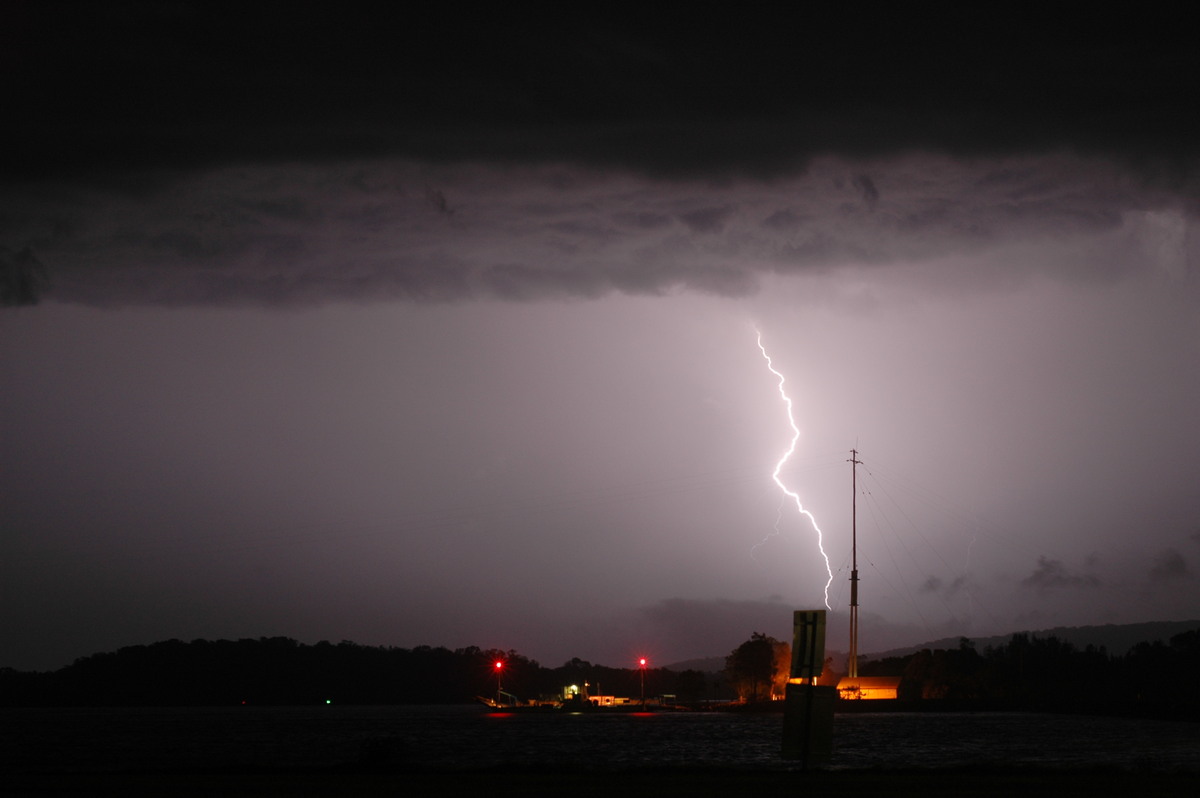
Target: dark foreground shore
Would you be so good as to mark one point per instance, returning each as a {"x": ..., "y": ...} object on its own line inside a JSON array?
[{"x": 666, "y": 783}]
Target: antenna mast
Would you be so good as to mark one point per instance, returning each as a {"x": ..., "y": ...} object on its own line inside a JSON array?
[{"x": 852, "y": 661}]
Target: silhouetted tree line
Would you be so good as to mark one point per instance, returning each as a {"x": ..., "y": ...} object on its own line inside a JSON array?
[
  {"x": 1026, "y": 673},
  {"x": 1051, "y": 674},
  {"x": 281, "y": 671}
]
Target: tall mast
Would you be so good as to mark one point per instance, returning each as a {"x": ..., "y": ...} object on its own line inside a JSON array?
[{"x": 852, "y": 662}]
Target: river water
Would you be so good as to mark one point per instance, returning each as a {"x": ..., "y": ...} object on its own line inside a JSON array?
[{"x": 465, "y": 738}]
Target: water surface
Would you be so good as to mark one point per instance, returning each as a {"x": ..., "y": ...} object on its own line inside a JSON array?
[{"x": 466, "y": 738}]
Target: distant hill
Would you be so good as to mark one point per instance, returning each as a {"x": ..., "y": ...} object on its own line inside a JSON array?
[
  {"x": 1117, "y": 639},
  {"x": 704, "y": 665}
]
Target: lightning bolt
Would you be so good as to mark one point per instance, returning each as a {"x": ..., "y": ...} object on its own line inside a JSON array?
[{"x": 787, "y": 400}]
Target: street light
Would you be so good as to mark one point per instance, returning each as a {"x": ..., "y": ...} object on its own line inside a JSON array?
[
  {"x": 499, "y": 670},
  {"x": 642, "y": 663}
]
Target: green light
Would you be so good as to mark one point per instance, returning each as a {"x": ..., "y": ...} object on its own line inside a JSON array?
[{"x": 327, "y": 701}]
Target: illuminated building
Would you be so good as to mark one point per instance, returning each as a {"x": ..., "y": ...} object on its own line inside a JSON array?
[{"x": 868, "y": 687}]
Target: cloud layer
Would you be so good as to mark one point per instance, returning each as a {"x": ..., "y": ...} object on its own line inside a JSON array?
[{"x": 375, "y": 230}]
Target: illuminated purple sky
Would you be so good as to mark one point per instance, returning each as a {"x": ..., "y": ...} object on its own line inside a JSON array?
[{"x": 357, "y": 324}]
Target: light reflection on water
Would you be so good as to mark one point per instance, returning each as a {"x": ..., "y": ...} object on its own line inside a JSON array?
[{"x": 91, "y": 740}]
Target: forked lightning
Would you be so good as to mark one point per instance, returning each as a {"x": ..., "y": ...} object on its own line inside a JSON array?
[{"x": 787, "y": 400}]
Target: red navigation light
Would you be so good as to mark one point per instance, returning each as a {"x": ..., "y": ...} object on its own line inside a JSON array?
[
  {"x": 642, "y": 662},
  {"x": 499, "y": 664}
]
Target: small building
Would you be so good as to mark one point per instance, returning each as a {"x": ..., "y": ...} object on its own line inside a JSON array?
[{"x": 869, "y": 687}]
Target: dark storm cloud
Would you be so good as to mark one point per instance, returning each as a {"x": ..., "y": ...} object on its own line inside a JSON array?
[
  {"x": 937, "y": 585},
  {"x": 706, "y": 220},
  {"x": 1169, "y": 564},
  {"x": 969, "y": 232},
  {"x": 138, "y": 85},
  {"x": 438, "y": 200},
  {"x": 724, "y": 622},
  {"x": 381, "y": 230},
  {"x": 22, "y": 277},
  {"x": 284, "y": 153},
  {"x": 696, "y": 614},
  {"x": 1052, "y": 574},
  {"x": 866, "y": 187},
  {"x": 644, "y": 220},
  {"x": 783, "y": 219}
]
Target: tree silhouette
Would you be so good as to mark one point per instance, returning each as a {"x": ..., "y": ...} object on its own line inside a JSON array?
[{"x": 754, "y": 667}]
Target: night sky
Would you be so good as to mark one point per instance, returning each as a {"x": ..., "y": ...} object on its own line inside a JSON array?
[{"x": 340, "y": 321}]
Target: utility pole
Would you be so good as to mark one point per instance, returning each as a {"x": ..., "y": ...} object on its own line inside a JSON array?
[
  {"x": 642, "y": 664},
  {"x": 852, "y": 662}
]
